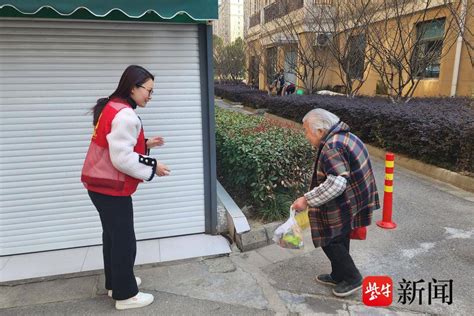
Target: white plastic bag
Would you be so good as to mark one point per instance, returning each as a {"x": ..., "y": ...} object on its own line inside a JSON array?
[{"x": 288, "y": 235}]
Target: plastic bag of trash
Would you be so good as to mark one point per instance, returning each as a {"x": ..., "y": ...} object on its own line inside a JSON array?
[{"x": 288, "y": 235}]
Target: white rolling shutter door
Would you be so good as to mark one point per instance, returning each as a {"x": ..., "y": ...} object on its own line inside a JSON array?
[{"x": 51, "y": 73}]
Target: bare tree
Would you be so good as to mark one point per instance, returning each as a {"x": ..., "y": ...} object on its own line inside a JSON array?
[
  {"x": 342, "y": 26},
  {"x": 313, "y": 61},
  {"x": 308, "y": 61},
  {"x": 406, "y": 42}
]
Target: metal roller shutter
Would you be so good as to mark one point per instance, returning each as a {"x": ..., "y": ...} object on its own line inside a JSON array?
[{"x": 52, "y": 72}]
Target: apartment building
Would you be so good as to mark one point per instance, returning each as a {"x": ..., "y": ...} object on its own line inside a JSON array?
[
  {"x": 281, "y": 32},
  {"x": 230, "y": 24}
]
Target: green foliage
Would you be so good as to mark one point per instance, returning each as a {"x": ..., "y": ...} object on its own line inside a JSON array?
[
  {"x": 217, "y": 55},
  {"x": 229, "y": 60},
  {"x": 280, "y": 206},
  {"x": 262, "y": 159}
]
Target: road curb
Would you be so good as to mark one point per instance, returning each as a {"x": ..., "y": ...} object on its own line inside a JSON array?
[
  {"x": 444, "y": 175},
  {"x": 257, "y": 237}
]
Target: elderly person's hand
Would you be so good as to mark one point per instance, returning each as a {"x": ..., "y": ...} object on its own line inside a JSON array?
[{"x": 300, "y": 204}]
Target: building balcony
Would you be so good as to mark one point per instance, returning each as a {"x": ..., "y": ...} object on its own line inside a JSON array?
[
  {"x": 254, "y": 20},
  {"x": 323, "y": 2},
  {"x": 281, "y": 8}
]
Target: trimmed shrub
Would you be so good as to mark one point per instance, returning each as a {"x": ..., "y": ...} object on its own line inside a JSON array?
[
  {"x": 262, "y": 161},
  {"x": 438, "y": 131},
  {"x": 239, "y": 93}
]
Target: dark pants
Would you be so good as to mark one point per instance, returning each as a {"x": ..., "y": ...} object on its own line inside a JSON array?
[
  {"x": 119, "y": 243},
  {"x": 343, "y": 267},
  {"x": 291, "y": 89}
]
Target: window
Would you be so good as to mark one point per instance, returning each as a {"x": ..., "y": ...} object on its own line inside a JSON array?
[
  {"x": 427, "y": 52},
  {"x": 253, "y": 71},
  {"x": 271, "y": 63},
  {"x": 291, "y": 58},
  {"x": 356, "y": 56}
]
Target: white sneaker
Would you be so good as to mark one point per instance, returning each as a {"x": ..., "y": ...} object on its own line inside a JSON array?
[
  {"x": 139, "y": 281},
  {"x": 139, "y": 300}
]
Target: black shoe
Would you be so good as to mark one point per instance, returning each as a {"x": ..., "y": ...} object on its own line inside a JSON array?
[
  {"x": 326, "y": 279},
  {"x": 343, "y": 288}
]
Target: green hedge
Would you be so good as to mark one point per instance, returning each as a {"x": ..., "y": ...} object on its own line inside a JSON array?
[{"x": 262, "y": 161}]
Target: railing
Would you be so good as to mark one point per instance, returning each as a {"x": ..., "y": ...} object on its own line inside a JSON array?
[
  {"x": 323, "y": 2},
  {"x": 254, "y": 19},
  {"x": 281, "y": 8},
  {"x": 292, "y": 5},
  {"x": 270, "y": 13}
]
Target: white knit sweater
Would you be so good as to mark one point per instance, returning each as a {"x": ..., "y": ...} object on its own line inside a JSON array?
[{"x": 126, "y": 127}]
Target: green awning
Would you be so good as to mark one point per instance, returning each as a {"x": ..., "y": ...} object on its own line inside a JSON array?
[{"x": 142, "y": 10}]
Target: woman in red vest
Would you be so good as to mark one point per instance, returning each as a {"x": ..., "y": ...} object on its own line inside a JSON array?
[{"x": 116, "y": 162}]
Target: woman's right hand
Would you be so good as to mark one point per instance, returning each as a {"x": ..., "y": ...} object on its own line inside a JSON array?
[{"x": 162, "y": 170}]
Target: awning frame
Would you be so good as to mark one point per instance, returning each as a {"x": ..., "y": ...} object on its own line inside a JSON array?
[{"x": 114, "y": 13}]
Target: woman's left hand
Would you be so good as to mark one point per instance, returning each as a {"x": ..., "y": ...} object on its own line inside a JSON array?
[{"x": 155, "y": 141}]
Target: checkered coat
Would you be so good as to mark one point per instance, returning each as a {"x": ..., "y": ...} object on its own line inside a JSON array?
[{"x": 342, "y": 153}]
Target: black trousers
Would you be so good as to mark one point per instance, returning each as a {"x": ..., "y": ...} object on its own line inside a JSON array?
[
  {"x": 119, "y": 243},
  {"x": 343, "y": 267}
]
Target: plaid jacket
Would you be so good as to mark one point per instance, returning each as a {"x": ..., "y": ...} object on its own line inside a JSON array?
[{"x": 342, "y": 153}]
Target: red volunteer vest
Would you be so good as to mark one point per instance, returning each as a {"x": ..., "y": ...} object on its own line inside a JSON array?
[{"x": 98, "y": 173}]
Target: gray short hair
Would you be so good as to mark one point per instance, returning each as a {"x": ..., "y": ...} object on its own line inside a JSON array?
[{"x": 320, "y": 119}]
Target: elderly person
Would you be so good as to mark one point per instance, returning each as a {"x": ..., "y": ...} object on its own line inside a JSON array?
[
  {"x": 342, "y": 196},
  {"x": 277, "y": 83}
]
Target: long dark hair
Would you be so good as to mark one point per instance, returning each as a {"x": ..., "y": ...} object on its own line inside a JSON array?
[{"x": 132, "y": 77}]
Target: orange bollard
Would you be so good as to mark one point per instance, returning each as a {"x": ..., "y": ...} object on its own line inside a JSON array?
[{"x": 386, "y": 221}]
